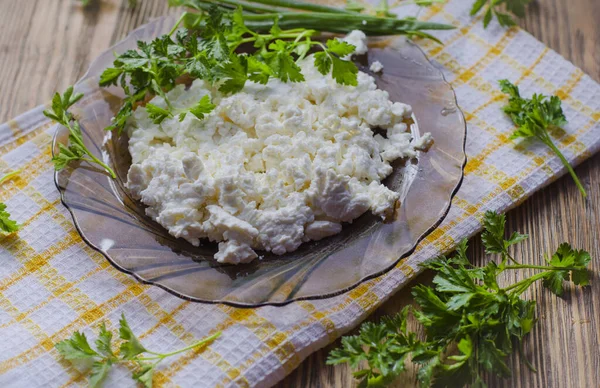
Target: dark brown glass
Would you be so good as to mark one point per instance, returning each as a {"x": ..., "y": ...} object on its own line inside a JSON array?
[{"x": 111, "y": 222}]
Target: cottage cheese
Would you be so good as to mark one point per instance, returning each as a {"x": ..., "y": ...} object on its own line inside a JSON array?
[
  {"x": 376, "y": 67},
  {"x": 358, "y": 39},
  {"x": 272, "y": 166}
]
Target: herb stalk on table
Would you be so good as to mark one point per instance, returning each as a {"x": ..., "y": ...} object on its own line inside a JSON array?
[
  {"x": 534, "y": 118},
  {"x": 131, "y": 351},
  {"x": 76, "y": 149},
  {"x": 471, "y": 322}
]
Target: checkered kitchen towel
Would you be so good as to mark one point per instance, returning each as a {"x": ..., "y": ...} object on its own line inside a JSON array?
[{"x": 52, "y": 283}]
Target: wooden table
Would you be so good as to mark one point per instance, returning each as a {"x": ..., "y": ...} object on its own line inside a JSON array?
[{"x": 46, "y": 45}]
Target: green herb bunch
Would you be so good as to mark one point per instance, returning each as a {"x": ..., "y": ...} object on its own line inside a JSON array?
[
  {"x": 209, "y": 49},
  {"x": 471, "y": 323},
  {"x": 131, "y": 352}
]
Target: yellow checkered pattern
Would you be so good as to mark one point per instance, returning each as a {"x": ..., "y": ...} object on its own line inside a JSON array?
[{"x": 52, "y": 283}]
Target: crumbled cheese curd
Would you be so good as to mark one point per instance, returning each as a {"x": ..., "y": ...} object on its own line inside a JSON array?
[
  {"x": 376, "y": 67},
  {"x": 358, "y": 39},
  {"x": 272, "y": 166}
]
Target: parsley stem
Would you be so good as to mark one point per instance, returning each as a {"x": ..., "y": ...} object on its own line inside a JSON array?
[
  {"x": 194, "y": 345},
  {"x": 512, "y": 259},
  {"x": 78, "y": 140},
  {"x": 565, "y": 162},
  {"x": 524, "y": 284},
  {"x": 183, "y": 15},
  {"x": 544, "y": 267},
  {"x": 10, "y": 175}
]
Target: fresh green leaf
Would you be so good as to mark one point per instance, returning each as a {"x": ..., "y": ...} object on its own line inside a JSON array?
[
  {"x": 144, "y": 375},
  {"x": 340, "y": 48},
  {"x": 233, "y": 73},
  {"x": 487, "y": 18},
  {"x": 568, "y": 264},
  {"x": 285, "y": 68},
  {"x": 323, "y": 62},
  {"x": 157, "y": 114},
  {"x": 494, "y": 7},
  {"x": 477, "y": 5},
  {"x": 132, "y": 346},
  {"x": 202, "y": 108},
  {"x": 99, "y": 372},
  {"x": 76, "y": 348},
  {"x": 344, "y": 72},
  {"x": 493, "y": 235},
  {"x": 110, "y": 76},
  {"x": 103, "y": 343}
]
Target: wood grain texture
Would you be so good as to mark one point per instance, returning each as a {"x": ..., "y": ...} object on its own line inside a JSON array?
[{"x": 46, "y": 45}]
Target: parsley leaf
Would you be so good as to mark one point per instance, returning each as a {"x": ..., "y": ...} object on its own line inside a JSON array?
[
  {"x": 534, "y": 118},
  {"x": 202, "y": 108},
  {"x": 103, "y": 343},
  {"x": 340, "y": 48},
  {"x": 493, "y": 235},
  {"x": 343, "y": 71},
  {"x": 157, "y": 114},
  {"x": 132, "y": 346},
  {"x": 77, "y": 347},
  {"x": 472, "y": 325},
  {"x": 98, "y": 372},
  {"x": 6, "y": 224},
  {"x": 569, "y": 264},
  {"x": 76, "y": 149},
  {"x": 495, "y": 8},
  {"x": 233, "y": 73},
  {"x": 144, "y": 375}
]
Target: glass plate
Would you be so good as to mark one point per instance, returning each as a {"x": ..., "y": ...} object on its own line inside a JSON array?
[{"x": 111, "y": 222}]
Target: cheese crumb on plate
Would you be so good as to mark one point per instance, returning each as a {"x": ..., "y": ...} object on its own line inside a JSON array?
[
  {"x": 376, "y": 67},
  {"x": 272, "y": 166}
]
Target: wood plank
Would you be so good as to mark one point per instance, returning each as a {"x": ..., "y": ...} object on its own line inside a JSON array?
[
  {"x": 565, "y": 345},
  {"x": 45, "y": 45}
]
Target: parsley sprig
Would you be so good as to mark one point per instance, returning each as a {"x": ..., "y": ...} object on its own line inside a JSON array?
[
  {"x": 76, "y": 149},
  {"x": 209, "y": 48},
  {"x": 496, "y": 7},
  {"x": 6, "y": 224},
  {"x": 210, "y": 54},
  {"x": 534, "y": 118},
  {"x": 131, "y": 352},
  {"x": 471, "y": 322}
]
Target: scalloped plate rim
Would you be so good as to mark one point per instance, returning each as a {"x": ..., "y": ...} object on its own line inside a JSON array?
[{"x": 292, "y": 300}]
